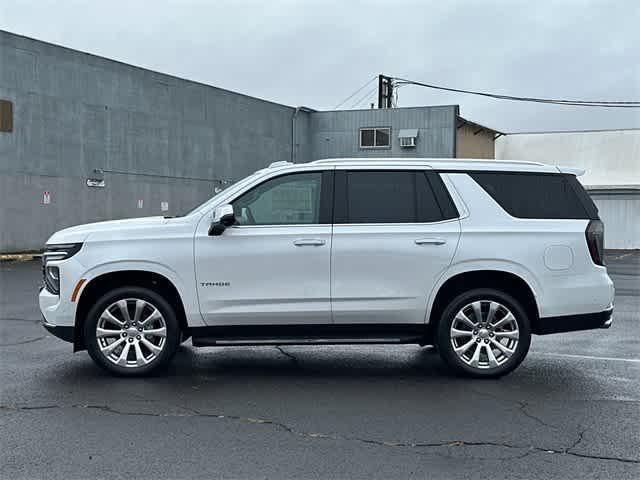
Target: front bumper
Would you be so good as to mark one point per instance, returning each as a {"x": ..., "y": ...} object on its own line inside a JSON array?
[
  {"x": 63, "y": 332},
  {"x": 572, "y": 323}
]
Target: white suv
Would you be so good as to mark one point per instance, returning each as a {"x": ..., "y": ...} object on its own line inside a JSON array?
[{"x": 470, "y": 256}]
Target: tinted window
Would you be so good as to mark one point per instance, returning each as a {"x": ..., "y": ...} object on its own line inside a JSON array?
[
  {"x": 530, "y": 195},
  {"x": 387, "y": 197},
  {"x": 286, "y": 200}
]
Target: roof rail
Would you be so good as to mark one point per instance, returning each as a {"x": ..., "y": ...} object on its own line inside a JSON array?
[
  {"x": 423, "y": 160},
  {"x": 281, "y": 163}
]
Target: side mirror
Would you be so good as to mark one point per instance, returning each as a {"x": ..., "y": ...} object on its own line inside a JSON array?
[{"x": 223, "y": 217}]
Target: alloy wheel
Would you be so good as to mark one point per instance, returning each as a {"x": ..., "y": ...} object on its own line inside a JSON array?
[
  {"x": 484, "y": 334},
  {"x": 131, "y": 333}
]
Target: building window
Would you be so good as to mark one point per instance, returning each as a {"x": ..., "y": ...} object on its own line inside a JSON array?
[
  {"x": 6, "y": 116},
  {"x": 375, "y": 137}
]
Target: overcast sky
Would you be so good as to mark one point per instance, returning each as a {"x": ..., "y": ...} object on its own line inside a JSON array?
[{"x": 317, "y": 53}]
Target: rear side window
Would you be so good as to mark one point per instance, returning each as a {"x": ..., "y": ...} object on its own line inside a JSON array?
[
  {"x": 386, "y": 196},
  {"x": 533, "y": 195}
]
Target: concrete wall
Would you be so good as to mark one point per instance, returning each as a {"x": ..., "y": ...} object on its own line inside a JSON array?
[
  {"x": 157, "y": 138},
  {"x": 337, "y": 134},
  {"x": 471, "y": 143},
  {"x": 610, "y": 157},
  {"x": 75, "y": 112}
]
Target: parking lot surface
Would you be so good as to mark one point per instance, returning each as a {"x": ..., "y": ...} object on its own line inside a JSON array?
[{"x": 572, "y": 409}]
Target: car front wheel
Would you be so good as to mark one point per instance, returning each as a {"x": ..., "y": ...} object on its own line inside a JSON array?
[
  {"x": 131, "y": 331},
  {"x": 484, "y": 333}
]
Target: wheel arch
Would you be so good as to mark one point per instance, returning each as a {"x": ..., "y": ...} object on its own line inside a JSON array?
[
  {"x": 107, "y": 281},
  {"x": 504, "y": 280}
]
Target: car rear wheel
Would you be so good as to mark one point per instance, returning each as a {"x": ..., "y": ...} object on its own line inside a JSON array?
[
  {"x": 131, "y": 331},
  {"x": 484, "y": 333}
]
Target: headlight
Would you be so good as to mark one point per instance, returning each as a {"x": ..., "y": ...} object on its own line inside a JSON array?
[{"x": 51, "y": 273}]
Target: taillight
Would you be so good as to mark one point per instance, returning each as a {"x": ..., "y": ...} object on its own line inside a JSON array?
[{"x": 595, "y": 241}]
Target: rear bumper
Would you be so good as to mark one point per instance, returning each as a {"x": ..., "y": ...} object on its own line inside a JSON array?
[
  {"x": 572, "y": 323},
  {"x": 62, "y": 332}
]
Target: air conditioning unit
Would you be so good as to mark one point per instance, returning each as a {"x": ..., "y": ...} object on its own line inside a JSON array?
[{"x": 408, "y": 137}]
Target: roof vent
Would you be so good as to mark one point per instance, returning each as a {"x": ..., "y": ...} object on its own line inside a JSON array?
[{"x": 408, "y": 137}]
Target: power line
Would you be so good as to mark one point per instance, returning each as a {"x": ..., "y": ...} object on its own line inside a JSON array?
[
  {"x": 364, "y": 97},
  {"x": 354, "y": 93},
  {"x": 576, "y": 103}
]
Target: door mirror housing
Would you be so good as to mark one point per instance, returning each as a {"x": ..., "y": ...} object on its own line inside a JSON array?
[{"x": 223, "y": 217}]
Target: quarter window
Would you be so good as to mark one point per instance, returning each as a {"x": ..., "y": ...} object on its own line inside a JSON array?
[
  {"x": 287, "y": 200},
  {"x": 531, "y": 195},
  {"x": 375, "y": 137}
]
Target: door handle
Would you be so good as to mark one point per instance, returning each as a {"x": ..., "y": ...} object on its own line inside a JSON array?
[
  {"x": 431, "y": 241},
  {"x": 309, "y": 242}
]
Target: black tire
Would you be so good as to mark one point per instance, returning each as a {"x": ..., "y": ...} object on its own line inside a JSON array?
[
  {"x": 171, "y": 342},
  {"x": 446, "y": 347}
]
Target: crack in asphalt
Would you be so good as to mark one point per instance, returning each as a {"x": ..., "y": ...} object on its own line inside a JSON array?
[
  {"x": 14, "y": 319},
  {"x": 290, "y": 356},
  {"x": 191, "y": 413},
  {"x": 522, "y": 407},
  {"x": 31, "y": 340}
]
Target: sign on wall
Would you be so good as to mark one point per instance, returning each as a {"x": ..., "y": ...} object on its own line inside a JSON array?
[{"x": 46, "y": 198}]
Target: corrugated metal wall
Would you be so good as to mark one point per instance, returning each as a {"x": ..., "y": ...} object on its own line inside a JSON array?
[
  {"x": 620, "y": 213},
  {"x": 337, "y": 134}
]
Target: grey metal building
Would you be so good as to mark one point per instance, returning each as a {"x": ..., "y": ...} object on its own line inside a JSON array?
[{"x": 84, "y": 138}]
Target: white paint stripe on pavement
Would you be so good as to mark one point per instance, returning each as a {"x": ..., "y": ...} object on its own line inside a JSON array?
[{"x": 591, "y": 357}]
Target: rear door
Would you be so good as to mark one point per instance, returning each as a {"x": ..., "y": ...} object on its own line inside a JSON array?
[{"x": 395, "y": 232}]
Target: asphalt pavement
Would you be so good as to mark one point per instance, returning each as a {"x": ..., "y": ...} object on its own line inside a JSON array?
[{"x": 572, "y": 409}]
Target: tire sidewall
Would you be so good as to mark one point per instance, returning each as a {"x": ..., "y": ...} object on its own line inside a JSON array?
[
  {"x": 172, "y": 326},
  {"x": 444, "y": 340}
]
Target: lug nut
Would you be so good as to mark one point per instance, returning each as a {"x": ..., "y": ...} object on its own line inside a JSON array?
[
  {"x": 139, "y": 329},
  {"x": 130, "y": 339},
  {"x": 124, "y": 334},
  {"x": 486, "y": 340},
  {"x": 477, "y": 340},
  {"x": 475, "y": 332},
  {"x": 126, "y": 325},
  {"x": 138, "y": 337},
  {"x": 134, "y": 324},
  {"x": 491, "y": 334}
]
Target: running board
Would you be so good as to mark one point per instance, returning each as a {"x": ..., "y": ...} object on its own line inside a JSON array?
[{"x": 358, "y": 334}]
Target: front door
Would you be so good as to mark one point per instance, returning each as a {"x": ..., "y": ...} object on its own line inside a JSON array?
[
  {"x": 273, "y": 266},
  {"x": 392, "y": 239}
]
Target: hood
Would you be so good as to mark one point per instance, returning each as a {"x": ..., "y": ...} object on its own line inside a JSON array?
[{"x": 79, "y": 233}]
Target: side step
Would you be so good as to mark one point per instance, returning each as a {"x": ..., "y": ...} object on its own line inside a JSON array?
[{"x": 356, "y": 334}]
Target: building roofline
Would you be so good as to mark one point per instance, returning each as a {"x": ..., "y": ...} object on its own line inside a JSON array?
[
  {"x": 387, "y": 109},
  {"x": 144, "y": 69},
  {"x": 575, "y": 131},
  {"x": 464, "y": 122}
]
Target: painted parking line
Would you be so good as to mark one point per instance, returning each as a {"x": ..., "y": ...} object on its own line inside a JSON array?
[{"x": 590, "y": 357}]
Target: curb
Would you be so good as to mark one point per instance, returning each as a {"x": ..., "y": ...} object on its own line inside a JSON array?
[{"x": 19, "y": 257}]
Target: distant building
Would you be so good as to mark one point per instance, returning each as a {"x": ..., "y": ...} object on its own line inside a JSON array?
[
  {"x": 611, "y": 159},
  {"x": 84, "y": 138}
]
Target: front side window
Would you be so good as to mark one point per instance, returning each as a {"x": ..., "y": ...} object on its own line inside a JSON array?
[
  {"x": 388, "y": 197},
  {"x": 375, "y": 137},
  {"x": 288, "y": 200}
]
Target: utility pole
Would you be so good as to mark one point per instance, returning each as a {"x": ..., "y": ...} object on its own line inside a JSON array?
[{"x": 385, "y": 91}]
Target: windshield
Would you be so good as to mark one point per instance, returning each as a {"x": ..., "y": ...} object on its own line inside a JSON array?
[{"x": 228, "y": 188}]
